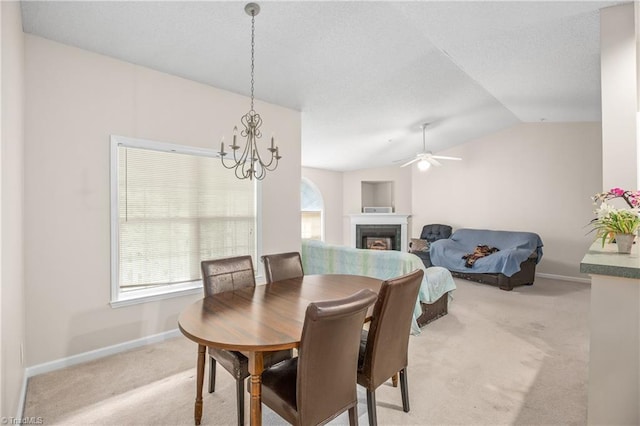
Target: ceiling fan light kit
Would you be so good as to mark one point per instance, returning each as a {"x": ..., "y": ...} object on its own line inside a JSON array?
[
  {"x": 426, "y": 159},
  {"x": 423, "y": 165}
]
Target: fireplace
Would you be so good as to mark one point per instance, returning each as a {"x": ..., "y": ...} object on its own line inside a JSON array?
[
  {"x": 379, "y": 231},
  {"x": 378, "y": 237}
]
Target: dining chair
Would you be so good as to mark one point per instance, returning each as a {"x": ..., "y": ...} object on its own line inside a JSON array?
[
  {"x": 282, "y": 266},
  {"x": 384, "y": 347},
  {"x": 228, "y": 274},
  {"x": 320, "y": 383}
]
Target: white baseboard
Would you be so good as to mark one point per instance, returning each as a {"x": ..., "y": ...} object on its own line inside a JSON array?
[
  {"x": 58, "y": 364},
  {"x": 564, "y": 278}
]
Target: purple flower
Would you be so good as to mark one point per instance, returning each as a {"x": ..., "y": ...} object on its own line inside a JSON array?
[
  {"x": 617, "y": 192},
  {"x": 632, "y": 198}
]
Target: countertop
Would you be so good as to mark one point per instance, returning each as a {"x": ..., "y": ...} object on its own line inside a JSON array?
[{"x": 607, "y": 261}]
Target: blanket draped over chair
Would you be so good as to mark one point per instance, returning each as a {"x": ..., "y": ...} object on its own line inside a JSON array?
[{"x": 321, "y": 258}]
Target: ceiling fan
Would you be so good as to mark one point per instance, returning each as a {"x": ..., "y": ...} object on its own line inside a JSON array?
[{"x": 426, "y": 158}]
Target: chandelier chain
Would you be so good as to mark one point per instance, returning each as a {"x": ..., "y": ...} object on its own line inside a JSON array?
[{"x": 253, "y": 20}]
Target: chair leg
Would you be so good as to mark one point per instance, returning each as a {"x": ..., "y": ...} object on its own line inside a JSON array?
[
  {"x": 240, "y": 401},
  {"x": 404, "y": 390},
  {"x": 353, "y": 415},
  {"x": 212, "y": 374},
  {"x": 371, "y": 407},
  {"x": 394, "y": 380}
]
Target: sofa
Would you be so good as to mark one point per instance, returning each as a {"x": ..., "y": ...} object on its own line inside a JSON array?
[
  {"x": 437, "y": 284},
  {"x": 512, "y": 265}
]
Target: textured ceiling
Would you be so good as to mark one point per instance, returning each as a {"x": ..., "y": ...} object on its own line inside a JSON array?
[{"x": 365, "y": 75}]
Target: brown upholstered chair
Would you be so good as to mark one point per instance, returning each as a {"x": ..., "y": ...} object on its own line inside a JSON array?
[
  {"x": 282, "y": 266},
  {"x": 320, "y": 384},
  {"x": 383, "y": 349},
  {"x": 227, "y": 274}
]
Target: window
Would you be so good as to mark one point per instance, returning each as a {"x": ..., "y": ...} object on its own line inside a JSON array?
[
  {"x": 173, "y": 206},
  {"x": 312, "y": 208}
]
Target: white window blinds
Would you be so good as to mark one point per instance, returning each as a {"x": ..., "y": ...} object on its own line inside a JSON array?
[
  {"x": 311, "y": 206},
  {"x": 174, "y": 210}
]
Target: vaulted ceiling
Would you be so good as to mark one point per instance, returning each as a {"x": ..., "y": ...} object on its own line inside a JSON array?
[{"x": 366, "y": 75}]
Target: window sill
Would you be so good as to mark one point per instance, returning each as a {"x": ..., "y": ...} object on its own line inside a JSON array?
[{"x": 152, "y": 295}]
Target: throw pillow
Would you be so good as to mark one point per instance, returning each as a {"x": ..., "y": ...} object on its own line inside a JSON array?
[{"x": 419, "y": 245}]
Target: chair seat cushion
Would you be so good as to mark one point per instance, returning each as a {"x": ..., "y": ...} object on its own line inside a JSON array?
[
  {"x": 363, "y": 347},
  {"x": 234, "y": 362},
  {"x": 238, "y": 365},
  {"x": 279, "y": 388},
  {"x": 362, "y": 378}
]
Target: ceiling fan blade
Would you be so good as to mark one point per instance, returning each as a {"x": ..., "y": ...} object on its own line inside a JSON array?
[
  {"x": 410, "y": 162},
  {"x": 433, "y": 161},
  {"x": 441, "y": 157},
  {"x": 403, "y": 160}
]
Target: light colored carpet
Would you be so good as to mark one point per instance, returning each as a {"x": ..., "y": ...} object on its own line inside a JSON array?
[{"x": 497, "y": 358}]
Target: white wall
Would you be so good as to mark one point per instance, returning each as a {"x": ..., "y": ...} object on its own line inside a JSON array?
[
  {"x": 352, "y": 192},
  {"x": 619, "y": 97},
  {"x": 614, "y": 353},
  {"x": 74, "y": 100},
  {"x": 535, "y": 177},
  {"x": 330, "y": 185},
  {"x": 12, "y": 309}
]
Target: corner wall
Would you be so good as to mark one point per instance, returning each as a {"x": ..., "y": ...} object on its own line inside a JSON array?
[
  {"x": 535, "y": 177},
  {"x": 614, "y": 356},
  {"x": 75, "y": 99},
  {"x": 619, "y": 76},
  {"x": 330, "y": 185},
  {"x": 12, "y": 305}
]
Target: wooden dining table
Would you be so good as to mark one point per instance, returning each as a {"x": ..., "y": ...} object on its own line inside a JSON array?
[{"x": 260, "y": 319}]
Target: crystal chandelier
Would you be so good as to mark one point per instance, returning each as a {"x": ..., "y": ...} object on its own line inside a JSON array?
[{"x": 250, "y": 164}]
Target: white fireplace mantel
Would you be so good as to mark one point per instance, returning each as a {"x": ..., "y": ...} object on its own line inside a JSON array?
[{"x": 381, "y": 219}]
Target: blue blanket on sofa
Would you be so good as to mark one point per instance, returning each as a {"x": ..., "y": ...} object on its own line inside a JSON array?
[{"x": 515, "y": 248}]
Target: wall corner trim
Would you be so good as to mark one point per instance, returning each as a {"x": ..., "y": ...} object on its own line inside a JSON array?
[{"x": 22, "y": 397}]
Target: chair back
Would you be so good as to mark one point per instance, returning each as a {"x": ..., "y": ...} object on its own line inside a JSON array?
[
  {"x": 328, "y": 357},
  {"x": 435, "y": 232},
  {"x": 228, "y": 273},
  {"x": 282, "y": 266},
  {"x": 388, "y": 339}
]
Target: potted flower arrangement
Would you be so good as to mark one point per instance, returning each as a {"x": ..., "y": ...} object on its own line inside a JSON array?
[{"x": 619, "y": 224}]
